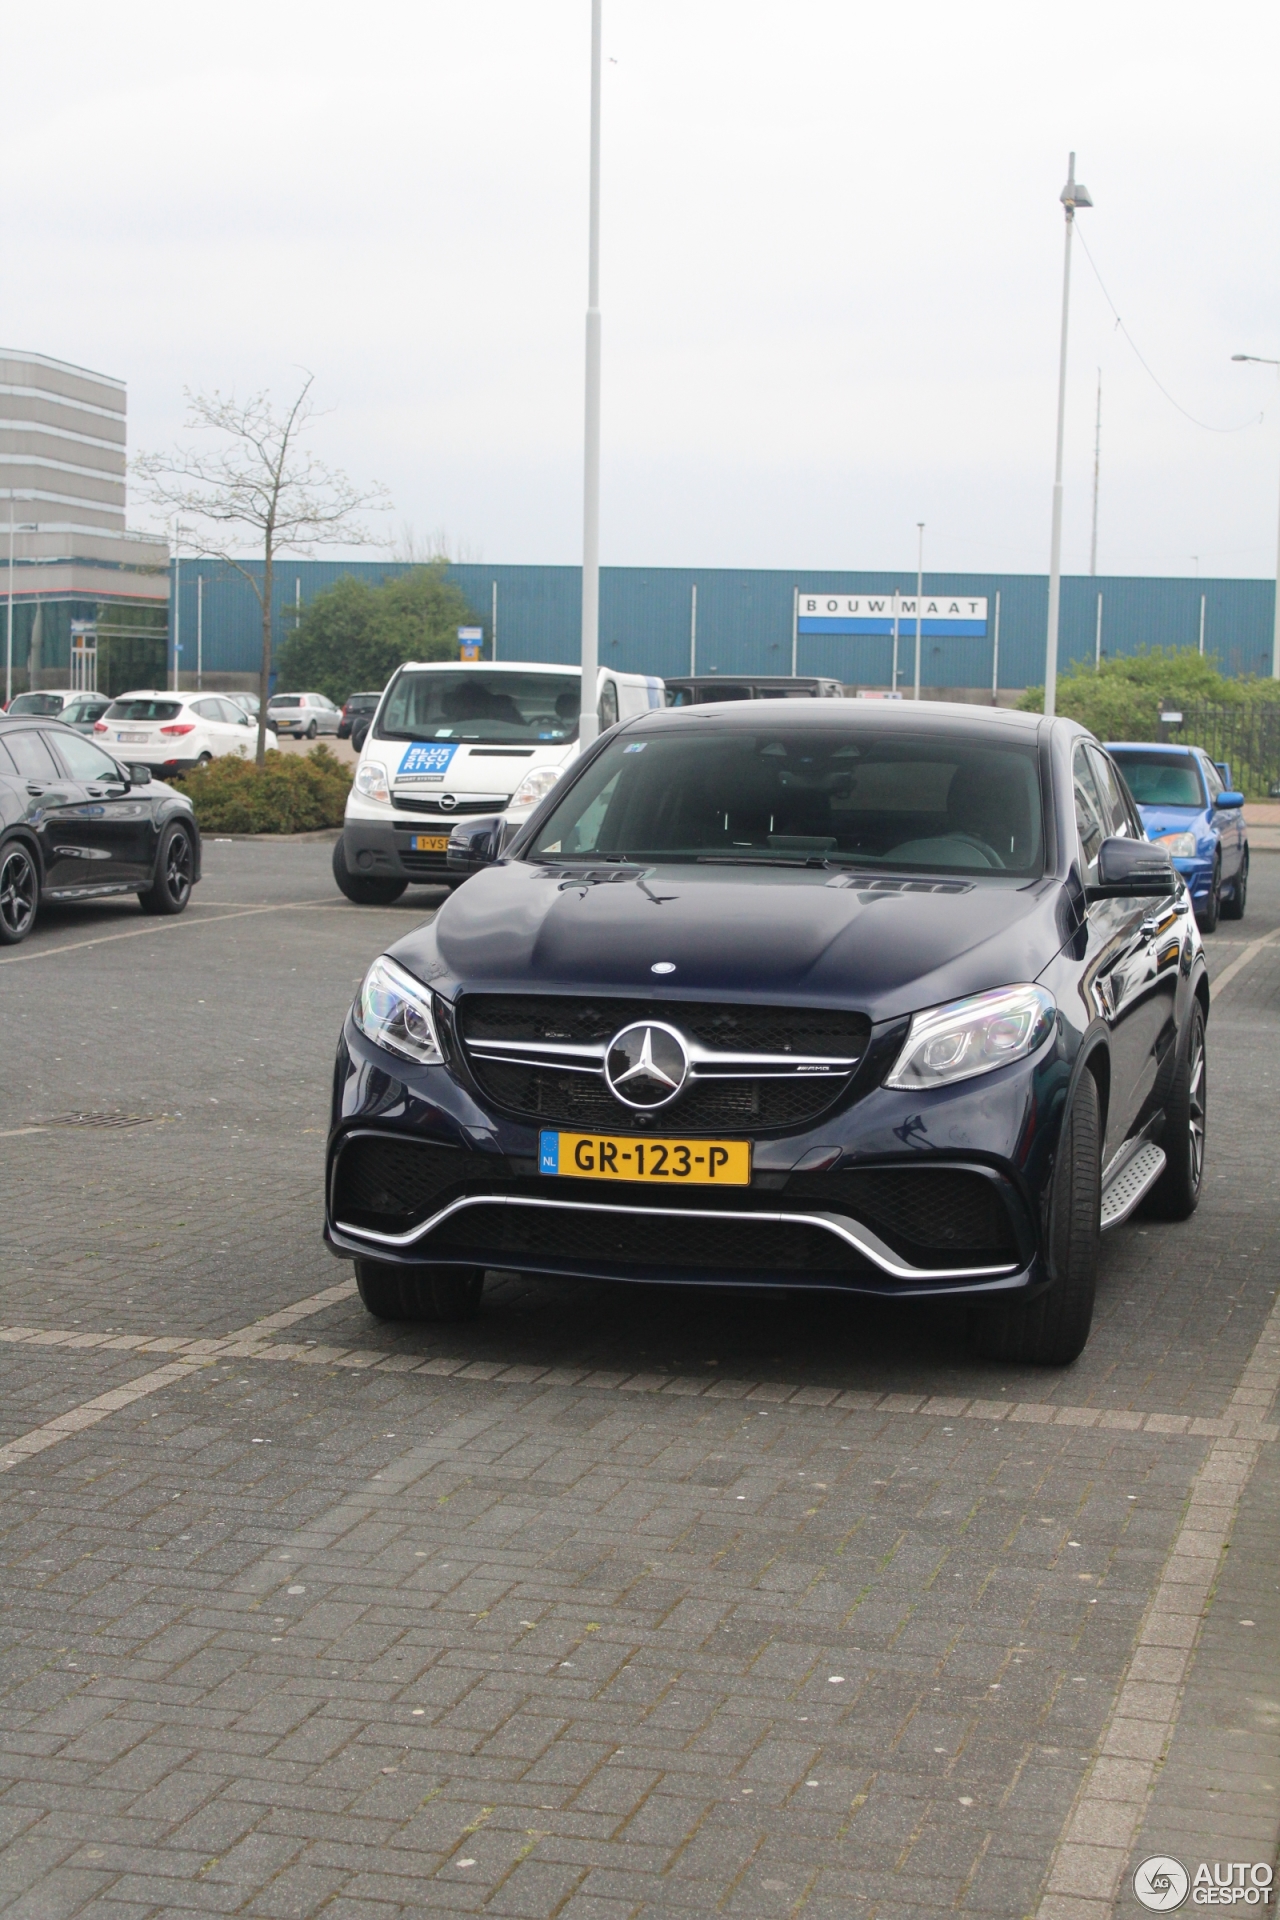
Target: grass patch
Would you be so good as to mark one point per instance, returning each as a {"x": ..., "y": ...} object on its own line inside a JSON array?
[{"x": 288, "y": 793}]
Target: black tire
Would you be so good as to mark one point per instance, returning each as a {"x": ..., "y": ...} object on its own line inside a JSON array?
[
  {"x": 419, "y": 1293},
  {"x": 1210, "y": 913},
  {"x": 364, "y": 893},
  {"x": 1233, "y": 907},
  {"x": 205, "y": 760},
  {"x": 19, "y": 892},
  {"x": 1176, "y": 1194},
  {"x": 1051, "y": 1330},
  {"x": 170, "y": 890},
  {"x": 311, "y": 731}
]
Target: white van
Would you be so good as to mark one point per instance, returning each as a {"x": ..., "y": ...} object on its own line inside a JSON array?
[{"x": 459, "y": 737}]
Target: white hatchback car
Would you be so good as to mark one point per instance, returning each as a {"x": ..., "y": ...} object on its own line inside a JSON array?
[
  {"x": 173, "y": 732},
  {"x": 303, "y": 715}
]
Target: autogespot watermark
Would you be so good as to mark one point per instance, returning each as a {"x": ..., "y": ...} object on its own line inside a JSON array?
[{"x": 1163, "y": 1884}]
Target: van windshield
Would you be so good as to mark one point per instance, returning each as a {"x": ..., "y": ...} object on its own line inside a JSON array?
[
  {"x": 487, "y": 706},
  {"x": 851, "y": 795}
]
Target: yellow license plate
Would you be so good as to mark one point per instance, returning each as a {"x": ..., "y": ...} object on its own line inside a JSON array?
[
  {"x": 430, "y": 842},
  {"x": 672, "y": 1163}
]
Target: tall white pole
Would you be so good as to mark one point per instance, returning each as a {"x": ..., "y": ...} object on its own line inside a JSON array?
[
  {"x": 493, "y": 623},
  {"x": 200, "y": 632},
  {"x": 919, "y": 595},
  {"x": 1097, "y": 639},
  {"x": 693, "y": 631},
  {"x": 177, "y": 605},
  {"x": 1072, "y": 196},
  {"x": 1097, "y": 466},
  {"x": 8, "y": 641},
  {"x": 1202, "y": 599},
  {"x": 894, "y": 681},
  {"x": 795, "y": 629},
  {"x": 995, "y": 657},
  {"x": 588, "y": 722}
]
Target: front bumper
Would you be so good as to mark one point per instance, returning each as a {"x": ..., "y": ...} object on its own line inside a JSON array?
[
  {"x": 1197, "y": 875},
  {"x": 888, "y": 1194},
  {"x": 385, "y": 850}
]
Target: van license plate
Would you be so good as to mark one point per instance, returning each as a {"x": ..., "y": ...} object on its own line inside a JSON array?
[
  {"x": 670, "y": 1163},
  {"x": 430, "y": 842}
]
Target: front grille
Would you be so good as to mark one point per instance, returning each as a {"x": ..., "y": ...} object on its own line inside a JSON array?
[
  {"x": 741, "y": 1102},
  {"x": 929, "y": 1215},
  {"x": 389, "y": 1184},
  {"x": 634, "y": 1243},
  {"x": 583, "y": 1099},
  {"x": 494, "y": 804},
  {"x": 424, "y": 862},
  {"x": 739, "y": 1029}
]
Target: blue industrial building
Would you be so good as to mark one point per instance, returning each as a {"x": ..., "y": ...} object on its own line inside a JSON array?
[{"x": 747, "y": 620}]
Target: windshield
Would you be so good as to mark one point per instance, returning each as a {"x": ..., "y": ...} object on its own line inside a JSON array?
[
  {"x": 1161, "y": 779},
  {"x": 46, "y": 703},
  {"x": 850, "y": 794},
  {"x": 482, "y": 706},
  {"x": 143, "y": 710}
]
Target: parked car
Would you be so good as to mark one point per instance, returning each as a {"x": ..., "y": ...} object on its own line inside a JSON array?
[
  {"x": 703, "y": 689},
  {"x": 173, "y": 732},
  {"x": 303, "y": 715},
  {"x": 358, "y": 706},
  {"x": 73, "y": 707},
  {"x": 1190, "y": 808},
  {"x": 77, "y": 824},
  {"x": 454, "y": 738},
  {"x": 249, "y": 701},
  {"x": 871, "y": 998}
]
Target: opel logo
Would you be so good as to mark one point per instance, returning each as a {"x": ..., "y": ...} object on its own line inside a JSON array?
[
  {"x": 447, "y": 802},
  {"x": 646, "y": 1065}
]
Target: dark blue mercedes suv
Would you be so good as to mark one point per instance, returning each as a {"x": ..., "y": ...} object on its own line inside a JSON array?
[{"x": 892, "y": 1000}]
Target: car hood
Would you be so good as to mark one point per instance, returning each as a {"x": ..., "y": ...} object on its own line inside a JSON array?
[
  {"x": 801, "y": 935},
  {"x": 1175, "y": 820}
]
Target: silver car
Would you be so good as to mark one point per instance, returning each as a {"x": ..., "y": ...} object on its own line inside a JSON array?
[
  {"x": 74, "y": 708},
  {"x": 303, "y": 715}
]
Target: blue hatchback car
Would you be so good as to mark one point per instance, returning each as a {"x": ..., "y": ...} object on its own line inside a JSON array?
[{"x": 1190, "y": 808}]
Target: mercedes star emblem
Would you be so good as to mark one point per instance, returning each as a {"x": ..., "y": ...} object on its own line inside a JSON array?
[{"x": 646, "y": 1065}]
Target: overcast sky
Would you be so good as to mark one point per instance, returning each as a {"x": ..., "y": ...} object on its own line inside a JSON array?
[{"x": 831, "y": 266}]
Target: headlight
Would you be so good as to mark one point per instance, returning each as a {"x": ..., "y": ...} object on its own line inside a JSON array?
[
  {"x": 372, "y": 782},
  {"x": 535, "y": 786},
  {"x": 968, "y": 1037},
  {"x": 1178, "y": 846},
  {"x": 394, "y": 1010}
]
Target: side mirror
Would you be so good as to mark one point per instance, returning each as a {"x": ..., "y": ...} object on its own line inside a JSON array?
[
  {"x": 1132, "y": 867},
  {"x": 139, "y": 776},
  {"x": 474, "y": 844},
  {"x": 1229, "y": 799}
]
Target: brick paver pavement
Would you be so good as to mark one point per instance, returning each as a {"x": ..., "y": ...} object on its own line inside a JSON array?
[{"x": 616, "y": 1603}]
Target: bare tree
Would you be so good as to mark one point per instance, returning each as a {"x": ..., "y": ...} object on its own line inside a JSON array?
[{"x": 256, "y": 478}]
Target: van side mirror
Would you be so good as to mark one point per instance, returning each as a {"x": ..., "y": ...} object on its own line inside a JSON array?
[
  {"x": 1229, "y": 799},
  {"x": 1128, "y": 868},
  {"x": 474, "y": 844},
  {"x": 139, "y": 776}
]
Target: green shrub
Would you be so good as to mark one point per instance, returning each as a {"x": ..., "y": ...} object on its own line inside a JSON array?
[
  {"x": 1123, "y": 699},
  {"x": 288, "y": 793}
]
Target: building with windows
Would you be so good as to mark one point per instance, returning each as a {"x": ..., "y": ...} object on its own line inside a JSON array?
[{"x": 86, "y": 600}]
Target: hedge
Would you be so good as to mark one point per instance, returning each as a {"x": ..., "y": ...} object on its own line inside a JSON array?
[{"x": 288, "y": 793}]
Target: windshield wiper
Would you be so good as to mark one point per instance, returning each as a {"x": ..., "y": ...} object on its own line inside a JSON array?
[{"x": 760, "y": 859}]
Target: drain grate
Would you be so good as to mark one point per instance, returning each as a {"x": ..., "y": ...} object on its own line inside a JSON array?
[{"x": 104, "y": 1119}]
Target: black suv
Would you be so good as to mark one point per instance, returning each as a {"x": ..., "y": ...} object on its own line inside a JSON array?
[
  {"x": 77, "y": 825},
  {"x": 882, "y": 999}
]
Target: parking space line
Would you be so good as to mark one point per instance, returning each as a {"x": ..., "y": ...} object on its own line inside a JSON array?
[
  {"x": 1094, "y": 1847},
  {"x": 1251, "y": 952},
  {"x": 1243, "y": 1422},
  {"x": 166, "y": 926},
  {"x": 194, "y": 1354}
]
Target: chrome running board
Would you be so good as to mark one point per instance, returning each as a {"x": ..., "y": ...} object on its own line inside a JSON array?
[
  {"x": 852, "y": 1232},
  {"x": 1126, "y": 1189}
]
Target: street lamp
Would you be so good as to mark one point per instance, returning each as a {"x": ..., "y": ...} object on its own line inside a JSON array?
[
  {"x": 588, "y": 725},
  {"x": 1260, "y": 360},
  {"x": 1073, "y": 195}
]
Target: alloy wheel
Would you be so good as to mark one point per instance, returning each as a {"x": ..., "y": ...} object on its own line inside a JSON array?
[
  {"x": 177, "y": 867},
  {"x": 1197, "y": 1102},
  {"x": 19, "y": 891}
]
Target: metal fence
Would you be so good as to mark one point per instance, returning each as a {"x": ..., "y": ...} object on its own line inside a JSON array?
[{"x": 1246, "y": 737}]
